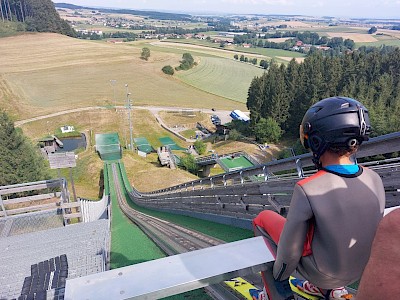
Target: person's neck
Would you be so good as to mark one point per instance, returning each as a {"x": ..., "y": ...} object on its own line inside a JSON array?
[{"x": 329, "y": 158}]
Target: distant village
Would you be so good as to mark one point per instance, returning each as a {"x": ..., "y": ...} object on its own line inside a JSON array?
[{"x": 84, "y": 22}]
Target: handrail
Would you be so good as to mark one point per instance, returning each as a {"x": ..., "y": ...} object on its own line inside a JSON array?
[
  {"x": 379, "y": 145},
  {"x": 184, "y": 272},
  {"x": 235, "y": 198}
]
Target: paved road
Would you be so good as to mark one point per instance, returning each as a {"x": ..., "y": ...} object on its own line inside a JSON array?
[{"x": 222, "y": 114}]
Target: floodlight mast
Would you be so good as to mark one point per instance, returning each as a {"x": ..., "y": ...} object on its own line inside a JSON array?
[
  {"x": 129, "y": 106},
  {"x": 113, "y": 82}
]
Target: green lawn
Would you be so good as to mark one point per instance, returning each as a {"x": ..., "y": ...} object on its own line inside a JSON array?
[{"x": 221, "y": 76}]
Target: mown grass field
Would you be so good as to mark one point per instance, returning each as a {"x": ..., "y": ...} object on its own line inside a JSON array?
[
  {"x": 388, "y": 38},
  {"x": 77, "y": 73},
  {"x": 222, "y": 77},
  {"x": 321, "y": 29},
  {"x": 232, "y": 50}
]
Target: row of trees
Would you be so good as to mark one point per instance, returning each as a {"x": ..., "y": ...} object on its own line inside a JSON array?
[
  {"x": 127, "y": 36},
  {"x": 307, "y": 37},
  {"x": 263, "y": 63},
  {"x": 311, "y": 38},
  {"x": 284, "y": 93},
  {"x": 20, "y": 160},
  {"x": 37, "y": 15}
]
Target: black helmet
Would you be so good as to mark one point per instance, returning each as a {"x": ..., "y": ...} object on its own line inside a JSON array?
[{"x": 334, "y": 122}]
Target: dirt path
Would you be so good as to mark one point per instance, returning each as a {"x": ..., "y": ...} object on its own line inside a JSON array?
[{"x": 223, "y": 114}]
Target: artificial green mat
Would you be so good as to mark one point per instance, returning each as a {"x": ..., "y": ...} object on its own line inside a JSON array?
[
  {"x": 108, "y": 146},
  {"x": 239, "y": 162},
  {"x": 129, "y": 245},
  {"x": 167, "y": 141},
  {"x": 143, "y": 144}
]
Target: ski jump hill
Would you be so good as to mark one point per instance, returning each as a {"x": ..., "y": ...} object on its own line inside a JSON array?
[{"x": 233, "y": 198}]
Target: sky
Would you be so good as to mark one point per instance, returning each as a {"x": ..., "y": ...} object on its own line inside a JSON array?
[{"x": 336, "y": 8}]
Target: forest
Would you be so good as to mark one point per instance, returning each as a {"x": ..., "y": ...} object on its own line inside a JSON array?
[
  {"x": 284, "y": 93},
  {"x": 36, "y": 15},
  {"x": 150, "y": 14}
]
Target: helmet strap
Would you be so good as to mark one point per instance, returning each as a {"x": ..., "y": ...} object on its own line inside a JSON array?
[
  {"x": 363, "y": 124},
  {"x": 317, "y": 155}
]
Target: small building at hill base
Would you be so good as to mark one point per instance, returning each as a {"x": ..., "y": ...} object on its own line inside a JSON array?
[{"x": 67, "y": 128}]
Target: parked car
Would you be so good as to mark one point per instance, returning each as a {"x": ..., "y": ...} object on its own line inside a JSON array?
[{"x": 215, "y": 120}]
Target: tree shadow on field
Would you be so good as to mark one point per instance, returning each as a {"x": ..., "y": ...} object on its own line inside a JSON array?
[
  {"x": 118, "y": 260},
  {"x": 101, "y": 184}
]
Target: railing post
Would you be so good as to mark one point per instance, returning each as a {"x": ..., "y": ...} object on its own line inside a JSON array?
[
  {"x": 2, "y": 207},
  {"x": 244, "y": 205},
  {"x": 222, "y": 205},
  {"x": 299, "y": 168},
  {"x": 265, "y": 171}
]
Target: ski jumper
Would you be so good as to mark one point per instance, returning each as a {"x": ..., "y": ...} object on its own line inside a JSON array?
[{"x": 329, "y": 230}]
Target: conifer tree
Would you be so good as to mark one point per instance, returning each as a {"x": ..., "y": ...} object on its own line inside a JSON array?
[
  {"x": 19, "y": 161},
  {"x": 370, "y": 75}
]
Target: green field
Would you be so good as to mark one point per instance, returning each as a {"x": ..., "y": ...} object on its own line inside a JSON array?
[
  {"x": 269, "y": 53},
  {"x": 321, "y": 30},
  {"x": 386, "y": 42},
  {"x": 222, "y": 77}
]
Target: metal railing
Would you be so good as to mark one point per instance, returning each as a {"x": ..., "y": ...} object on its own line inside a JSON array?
[{"x": 235, "y": 198}]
